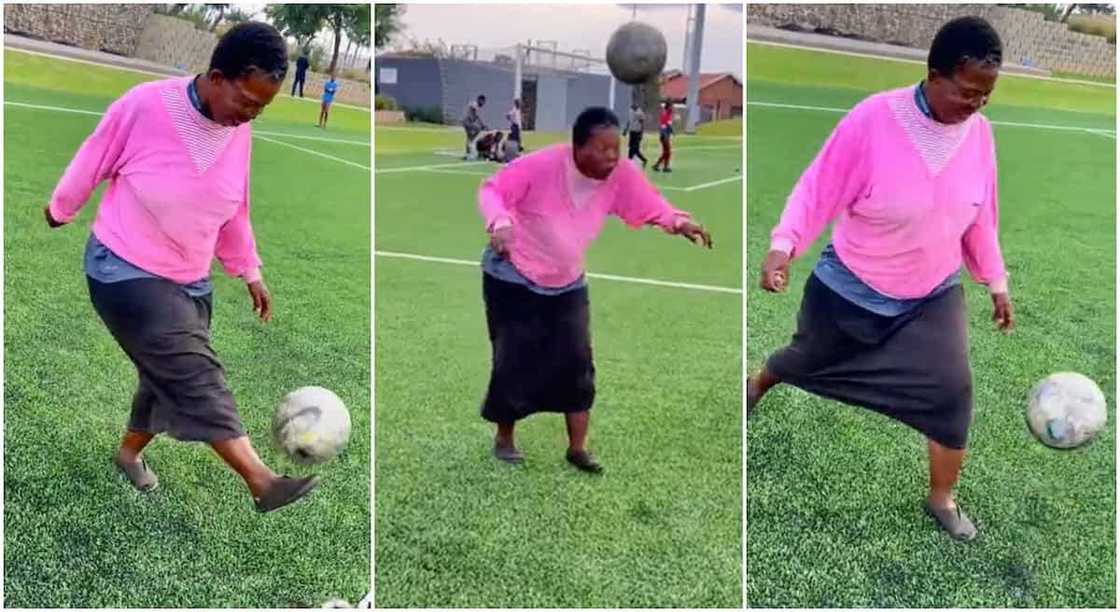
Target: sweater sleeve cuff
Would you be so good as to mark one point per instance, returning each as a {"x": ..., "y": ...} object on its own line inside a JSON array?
[
  {"x": 785, "y": 245},
  {"x": 252, "y": 275},
  {"x": 999, "y": 285},
  {"x": 499, "y": 223},
  {"x": 59, "y": 215}
]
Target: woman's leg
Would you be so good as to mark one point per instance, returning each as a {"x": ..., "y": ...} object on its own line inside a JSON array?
[
  {"x": 504, "y": 436},
  {"x": 132, "y": 444},
  {"x": 238, "y": 453},
  {"x": 758, "y": 385},
  {"x": 944, "y": 472},
  {"x": 577, "y": 423}
]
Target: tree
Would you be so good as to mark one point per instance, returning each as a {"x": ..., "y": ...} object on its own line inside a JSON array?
[
  {"x": 387, "y": 23},
  {"x": 300, "y": 21},
  {"x": 220, "y": 9},
  {"x": 304, "y": 21}
]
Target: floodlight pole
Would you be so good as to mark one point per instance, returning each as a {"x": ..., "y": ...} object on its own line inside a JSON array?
[
  {"x": 517, "y": 72},
  {"x": 696, "y": 43}
]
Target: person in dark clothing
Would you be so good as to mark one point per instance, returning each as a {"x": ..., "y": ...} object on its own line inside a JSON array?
[{"x": 301, "y": 73}]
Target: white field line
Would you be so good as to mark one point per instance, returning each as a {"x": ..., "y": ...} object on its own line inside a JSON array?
[
  {"x": 333, "y": 104},
  {"x": 712, "y": 183},
  {"x": 831, "y": 109},
  {"x": 151, "y": 72},
  {"x": 450, "y": 169},
  {"x": 903, "y": 60},
  {"x": 317, "y": 138},
  {"x": 612, "y": 277},
  {"x": 312, "y": 152},
  {"x": 427, "y": 167},
  {"x": 457, "y": 172},
  {"x": 64, "y": 58},
  {"x": 79, "y": 111}
]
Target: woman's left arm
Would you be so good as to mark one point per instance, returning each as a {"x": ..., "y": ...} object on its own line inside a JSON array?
[
  {"x": 638, "y": 203},
  {"x": 982, "y": 255},
  {"x": 237, "y": 251}
]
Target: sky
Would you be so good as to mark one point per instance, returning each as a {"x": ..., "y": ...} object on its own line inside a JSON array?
[{"x": 583, "y": 26}]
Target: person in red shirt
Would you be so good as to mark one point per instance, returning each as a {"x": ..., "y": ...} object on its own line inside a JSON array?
[{"x": 665, "y": 123}]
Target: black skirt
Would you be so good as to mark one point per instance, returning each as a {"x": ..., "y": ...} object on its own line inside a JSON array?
[
  {"x": 913, "y": 367},
  {"x": 541, "y": 359},
  {"x": 166, "y": 333}
]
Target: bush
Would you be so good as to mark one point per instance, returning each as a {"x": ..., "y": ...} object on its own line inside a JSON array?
[
  {"x": 355, "y": 74},
  {"x": 1094, "y": 25},
  {"x": 424, "y": 114},
  {"x": 384, "y": 103}
]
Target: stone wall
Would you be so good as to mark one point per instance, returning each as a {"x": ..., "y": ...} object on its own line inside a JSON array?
[
  {"x": 114, "y": 28},
  {"x": 175, "y": 42},
  {"x": 1027, "y": 38},
  {"x": 349, "y": 92}
]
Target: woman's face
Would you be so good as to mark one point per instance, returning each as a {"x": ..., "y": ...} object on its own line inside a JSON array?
[
  {"x": 599, "y": 155},
  {"x": 237, "y": 101},
  {"x": 956, "y": 97}
]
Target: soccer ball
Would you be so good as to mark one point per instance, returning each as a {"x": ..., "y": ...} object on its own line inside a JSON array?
[
  {"x": 311, "y": 425},
  {"x": 636, "y": 51},
  {"x": 1066, "y": 410}
]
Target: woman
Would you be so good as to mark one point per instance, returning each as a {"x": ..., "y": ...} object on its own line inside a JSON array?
[
  {"x": 665, "y": 129},
  {"x": 176, "y": 156},
  {"x": 909, "y": 177},
  {"x": 542, "y": 212},
  {"x": 634, "y": 128},
  {"x": 330, "y": 88},
  {"x": 514, "y": 118}
]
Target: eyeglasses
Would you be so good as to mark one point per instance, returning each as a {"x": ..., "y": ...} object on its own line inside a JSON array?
[{"x": 972, "y": 96}]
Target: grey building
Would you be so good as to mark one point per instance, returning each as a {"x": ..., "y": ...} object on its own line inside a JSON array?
[{"x": 551, "y": 99}]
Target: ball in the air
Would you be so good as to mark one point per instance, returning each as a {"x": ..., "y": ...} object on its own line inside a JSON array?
[
  {"x": 636, "y": 51},
  {"x": 1066, "y": 410},
  {"x": 311, "y": 425}
]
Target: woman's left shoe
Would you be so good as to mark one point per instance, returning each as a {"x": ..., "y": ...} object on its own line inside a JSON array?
[
  {"x": 584, "y": 461},
  {"x": 954, "y": 521}
]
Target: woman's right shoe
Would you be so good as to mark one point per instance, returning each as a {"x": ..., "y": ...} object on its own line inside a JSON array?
[
  {"x": 584, "y": 461},
  {"x": 285, "y": 490},
  {"x": 954, "y": 521},
  {"x": 508, "y": 454}
]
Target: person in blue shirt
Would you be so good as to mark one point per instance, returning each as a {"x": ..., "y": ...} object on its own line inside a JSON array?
[{"x": 330, "y": 88}]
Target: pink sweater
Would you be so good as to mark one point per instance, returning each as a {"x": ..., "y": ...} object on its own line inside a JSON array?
[
  {"x": 912, "y": 198},
  {"x": 556, "y": 212},
  {"x": 178, "y": 191}
]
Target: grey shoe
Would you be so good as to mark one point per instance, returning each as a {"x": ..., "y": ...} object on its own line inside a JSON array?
[
  {"x": 585, "y": 461},
  {"x": 954, "y": 521},
  {"x": 509, "y": 454},
  {"x": 285, "y": 490},
  {"x": 138, "y": 473}
]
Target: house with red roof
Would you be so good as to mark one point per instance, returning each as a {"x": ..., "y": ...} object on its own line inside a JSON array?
[{"x": 721, "y": 94}]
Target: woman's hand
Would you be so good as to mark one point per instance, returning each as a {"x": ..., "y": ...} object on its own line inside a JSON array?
[
  {"x": 501, "y": 239},
  {"x": 775, "y": 272},
  {"x": 262, "y": 300},
  {"x": 696, "y": 234},
  {"x": 1002, "y": 312},
  {"x": 50, "y": 220}
]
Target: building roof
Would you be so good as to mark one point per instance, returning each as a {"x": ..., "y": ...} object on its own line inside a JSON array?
[{"x": 674, "y": 84}]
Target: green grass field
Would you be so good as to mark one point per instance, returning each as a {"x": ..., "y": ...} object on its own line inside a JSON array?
[
  {"x": 76, "y": 533},
  {"x": 454, "y": 527},
  {"x": 834, "y": 493}
]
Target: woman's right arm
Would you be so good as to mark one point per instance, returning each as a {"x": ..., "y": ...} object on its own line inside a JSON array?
[
  {"x": 499, "y": 195},
  {"x": 98, "y": 159},
  {"x": 832, "y": 182}
]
